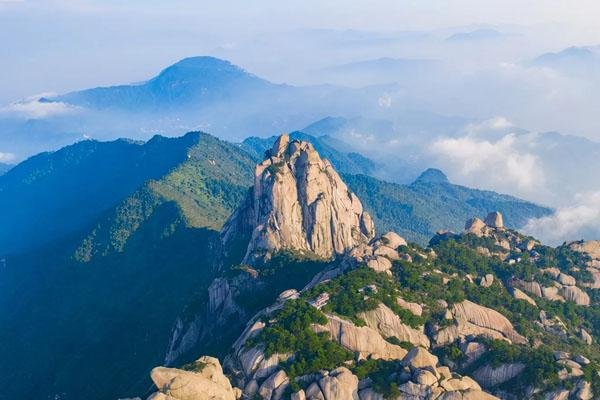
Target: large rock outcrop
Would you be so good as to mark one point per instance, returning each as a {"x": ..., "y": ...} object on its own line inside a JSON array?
[
  {"x": 475, "y": 320},
  {"x": 590, "y": 247},
  {"x": 274, "y": 386},
  {"x": 299, "y": 203},
  {"x": 339, "y": 384},
  {"x": 388, "y": 324},
  {"x": 365, "y": 341},
  {"x": 489, "y": 376},
  {"x": 494, "y": 220},
  {"x": 576, "y": 295},
  {"x": 207, "y": 382},
  {"x": 475, "y": 226}
]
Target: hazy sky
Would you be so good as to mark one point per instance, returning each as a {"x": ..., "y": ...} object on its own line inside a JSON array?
[
  {"x": 63, "y": 45},
  {"x": 60, "y": 45}
]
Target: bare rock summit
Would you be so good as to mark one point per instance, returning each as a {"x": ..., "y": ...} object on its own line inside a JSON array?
[
  {"x": 298, "y": 203},
  {"x": 494, "y": 220}
]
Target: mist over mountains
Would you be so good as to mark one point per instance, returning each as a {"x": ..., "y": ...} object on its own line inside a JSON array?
[
  {"x": 299, "y": 200},
  {"x": 432, "y": 106}
]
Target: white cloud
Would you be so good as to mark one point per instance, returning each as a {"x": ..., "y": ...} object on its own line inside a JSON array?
[
  {"x": 7, "y": 157},
  {"x": 385, "y": 101},
  {"x": 494, "y": 124},
  {"x": 501, "y": 165},
  {"x": 578, "y": 221},
  {"x": 37, "y": 108}
]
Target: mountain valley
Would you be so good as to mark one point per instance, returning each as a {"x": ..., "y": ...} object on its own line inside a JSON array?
[{"x": 163, "y": 258}]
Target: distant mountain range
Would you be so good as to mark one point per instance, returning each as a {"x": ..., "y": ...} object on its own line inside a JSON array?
[
  {"x": 392, "y": 121},
  {"x": 580, "y": 62},
  {"x": 404, "y": 155},
  {"x": 431, "y": 203},
  {"x": 194, "y": 81},
  {"x": 210, "y": 94},
  {"x": 77, "y": 184},
  {"x": 196, "y": 93},
  {"x": 477, "y": 34},
  {"x": 379, "y": 122}
]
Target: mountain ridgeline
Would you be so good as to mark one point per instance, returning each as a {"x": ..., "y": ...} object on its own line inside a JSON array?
[
  {"x": 193, "y": 92},
  {"x": 419, "y": 209},
  {"x": 86, "y": 312},
  {"x": 315, "y": 304},
  {"x": 56, "y": 194},
  {"x": 153, "y": 253},
  {"x": 193, "y": 80}
]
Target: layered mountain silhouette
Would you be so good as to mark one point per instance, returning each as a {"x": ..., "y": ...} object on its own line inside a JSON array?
[
  {"x": 77, "y": 184},
  {"x": 192, "y": 81},
  {"x": 581, "y": 62},
  {"x": 195, "y": 93}
]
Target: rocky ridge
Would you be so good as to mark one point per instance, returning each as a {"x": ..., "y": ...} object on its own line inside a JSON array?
[
  {"x": 298, "y": 205},
  {"x": 391, "y": 310}
]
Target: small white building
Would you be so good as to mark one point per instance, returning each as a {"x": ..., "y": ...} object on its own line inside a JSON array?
[{"x": 320, "y": 301}]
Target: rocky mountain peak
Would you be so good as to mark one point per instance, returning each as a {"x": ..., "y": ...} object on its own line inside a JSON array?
[
  {"x": 432, "y": 175},
  {"x": 298, "y": 203}
]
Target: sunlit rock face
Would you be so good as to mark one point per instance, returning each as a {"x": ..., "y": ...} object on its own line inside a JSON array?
[{"x": 299, "y": 203}]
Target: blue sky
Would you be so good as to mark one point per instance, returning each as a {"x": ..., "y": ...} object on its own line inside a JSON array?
[{"x": 61, "y": 45}]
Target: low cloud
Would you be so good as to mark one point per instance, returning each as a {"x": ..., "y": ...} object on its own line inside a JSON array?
[
  {"x": 501, "y": 164},
  {"x": 7, "y": 157},
  {"x": 37, "y": 107},
  {"x": 385, "y": 101},
  {"x": 579, "y": 221},
  {"x": 493, "y": 124}
]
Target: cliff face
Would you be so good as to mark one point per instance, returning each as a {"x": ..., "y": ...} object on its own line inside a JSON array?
[
  {"x": 348, "y": 335},
  {"x": 299, "y": 203},
  {"x": 388, "y": 319}
]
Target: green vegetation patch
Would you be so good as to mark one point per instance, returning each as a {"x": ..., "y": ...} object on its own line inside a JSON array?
[
  {"x": 194, "y": 366},
  {"x": 541, "y": 370},
  {"x": 384, "y": 375},
  {"x": 362, "y": 290},
  {"x": 292, "y": 332}
]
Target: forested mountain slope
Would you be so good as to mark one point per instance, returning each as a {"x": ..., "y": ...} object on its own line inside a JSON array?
[{"x": 487, "y": 313}]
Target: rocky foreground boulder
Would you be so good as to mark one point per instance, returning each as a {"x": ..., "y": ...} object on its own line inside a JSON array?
[
  {"x": 426, "y": 379},
  {"x": 205, "y": 382},
  {"x": 363, "y": 340}
]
